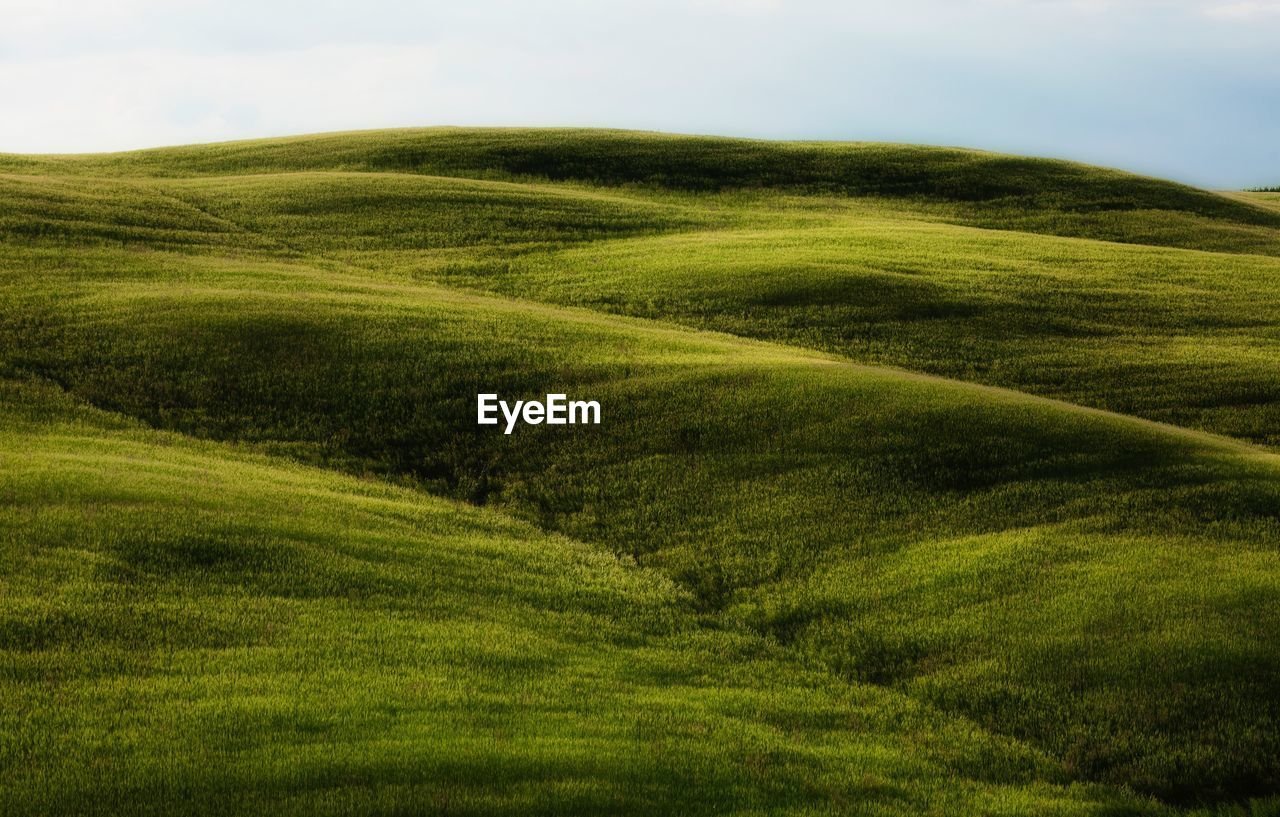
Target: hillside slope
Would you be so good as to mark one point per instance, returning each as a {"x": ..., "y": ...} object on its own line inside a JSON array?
[
  {"x": 1189, "y": 338},
  {"x": 756, "y": 476},
  {"x": 185, "y": 629},
  {"x": 1177, "y": 336},
  {"x": 1091, "y": 595}
]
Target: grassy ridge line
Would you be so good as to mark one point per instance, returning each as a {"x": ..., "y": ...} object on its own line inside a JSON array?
[
  {"x": 683, "y": 345},
  {"x": 858, "y": 468},
  {"x": 1017, "y": 311},
  {"x": 187, "y": 629},
  {"x": 987, "y": 189},
  {"x": 1175, "y": 335},
  {"x": 772, "y": 353},
  {"x": 720, "y": 348},
  {"x": 383, "y": 206},
  {"x": 318, "y": 213},
  {"x": 636, "y": 157},
  {"x": 1146, "y": 332}
]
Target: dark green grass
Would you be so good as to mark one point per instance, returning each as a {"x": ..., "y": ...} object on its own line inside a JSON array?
[{"x": 1117, "y": 624}]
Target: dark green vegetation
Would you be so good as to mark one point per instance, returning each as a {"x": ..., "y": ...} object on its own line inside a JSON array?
[{"x": 775, "y": 579}]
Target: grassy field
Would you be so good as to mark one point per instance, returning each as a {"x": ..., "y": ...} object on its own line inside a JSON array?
[
  {"x": 929, "y": 481},
  {"x": 1269, "y": 198},
  {"x": 191, "y": 629}
]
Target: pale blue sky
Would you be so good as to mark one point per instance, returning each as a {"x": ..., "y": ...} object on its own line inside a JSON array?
[{"x": 1188, "y": 89}]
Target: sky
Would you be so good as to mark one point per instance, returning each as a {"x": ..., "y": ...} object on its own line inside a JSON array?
[{"x": 1185, "y": 89}]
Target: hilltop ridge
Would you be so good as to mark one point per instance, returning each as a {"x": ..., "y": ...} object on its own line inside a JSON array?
[{"x": 971, "y": 186}]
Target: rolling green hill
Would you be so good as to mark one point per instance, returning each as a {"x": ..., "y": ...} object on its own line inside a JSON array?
[
  {"x": 794, "y": 569},
  {"x": 968, "y": 186},
  {"x": 188, "y": 629}
]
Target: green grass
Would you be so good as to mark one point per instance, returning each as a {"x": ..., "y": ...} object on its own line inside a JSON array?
[
  {"x": 1184, "y": 337},
  {"x": 1264, "y": 198},
  {"x": 796, "y": 582},
  {"x": 192, "y": 630},
  {"x": 967, "y": 185}
]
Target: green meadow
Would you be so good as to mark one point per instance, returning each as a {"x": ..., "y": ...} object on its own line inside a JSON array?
[{"x": 929, "y": 481}]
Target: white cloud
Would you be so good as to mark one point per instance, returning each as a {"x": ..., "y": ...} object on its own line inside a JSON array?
[
  {"x": 1245, "y": 10},
  {"x": 742, "y": 6},
  {"x": 120, "y": 100},
  {"x": 1138, "y": 83}
]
